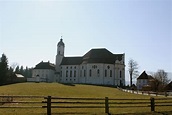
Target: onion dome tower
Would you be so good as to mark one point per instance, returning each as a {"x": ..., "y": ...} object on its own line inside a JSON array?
[{"x": 60, "y": 54}]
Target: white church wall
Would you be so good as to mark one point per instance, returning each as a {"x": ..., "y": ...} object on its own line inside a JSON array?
[
  {"x": 82, "y": 73},
  {"x": 94, "y": 73},
  {"x": 119, "y": 73},
  {"x": 109, "y": 76},
  {"x": 114, "y": 74},
  {"x": 69, "y": 73}
]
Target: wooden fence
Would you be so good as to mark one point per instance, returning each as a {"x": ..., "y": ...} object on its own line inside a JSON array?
[
  {"x": 50, "y": 102},
  {"x": 20, "y": 101},
  {"x": 105, "y": 103}
]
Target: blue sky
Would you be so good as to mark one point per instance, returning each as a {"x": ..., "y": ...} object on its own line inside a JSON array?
[{"x": 142, "y": 29}]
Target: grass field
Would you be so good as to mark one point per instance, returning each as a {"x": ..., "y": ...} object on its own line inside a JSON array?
[{"x": 64, "y": 90}]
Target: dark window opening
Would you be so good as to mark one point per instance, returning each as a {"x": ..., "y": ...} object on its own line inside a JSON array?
[
  {"x": 74, "y": 73},
  {"x": 110, "y": 73},
  {"x": 70, "y": 73},
  {"x": 98, "y": 72},
  {"x": 90, "y": 73},
  {"x": 105, "y": 73},
  {"x": 84, "y": 73},
  {"x": 66, "y": 73}
]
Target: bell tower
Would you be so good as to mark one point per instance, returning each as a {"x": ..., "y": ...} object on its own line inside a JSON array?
[{"x": 60, "y": 54}]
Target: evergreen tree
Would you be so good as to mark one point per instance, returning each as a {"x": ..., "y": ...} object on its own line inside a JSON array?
[
  {"x": 3, "y": 69},
  {"x": 21, "y": 71},
  {"x": 28, "y": 72},
  {"x": 11, "y": 75}
]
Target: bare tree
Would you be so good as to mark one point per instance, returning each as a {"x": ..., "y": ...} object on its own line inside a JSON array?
[
  {"x": 14, "y": 65},
  {"x": 133, "y": 70},
  {"x": 161, "y": 80}
]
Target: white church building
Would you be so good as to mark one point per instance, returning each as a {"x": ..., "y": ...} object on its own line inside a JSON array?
[{"x": 97, "y": 66}]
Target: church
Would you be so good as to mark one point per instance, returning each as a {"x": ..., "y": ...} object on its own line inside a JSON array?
[{"x": 97, "y": 66}]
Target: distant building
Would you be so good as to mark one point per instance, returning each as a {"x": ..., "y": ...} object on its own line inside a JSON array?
[
  {"x": 143, "y": 81},
  {"x": 19, "y": 78},
  {"x": 168, "y": 87},
  {"x": 97, "y": 66},
  {"x": 43, "y": 72}
]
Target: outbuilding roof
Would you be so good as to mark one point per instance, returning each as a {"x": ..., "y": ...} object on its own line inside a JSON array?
[
  {"x": 169, "y": 86},
  {"x": 45, "y": 65},
  {"x": 144, "y": 75}
]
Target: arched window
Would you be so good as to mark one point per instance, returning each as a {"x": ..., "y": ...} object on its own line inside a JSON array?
[
  {"x": 70, "y": 73},
  {"x": 110, "y": 73},
  {"x": 98, "y": 72},
  {"x": 90, "y": 72},
  {"x": 105, "y": 73},
  {"x": 84, "y": 73},
  {"x": 74, "y": 73},
  {"x": 67, "y": 73},
  {"x": 120, "y": 74}
]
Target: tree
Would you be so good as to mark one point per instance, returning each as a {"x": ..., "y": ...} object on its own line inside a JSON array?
[
  {"x": 21, "y": 71},
  {"x": 3, "y": 69},
  {"x": 160, "y": 80},
  {"x": 11, "y": 76},
  {"x": 14, "y": 65},
  {"x": 133, "y": 70}
]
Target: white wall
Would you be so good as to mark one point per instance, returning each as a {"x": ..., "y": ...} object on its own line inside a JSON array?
[
  {"x": 141, "y": 82},
  {"x": 69, "y": 74},
  {"x": 45, "y": 75},
  {"x": 96, "y": 77}
]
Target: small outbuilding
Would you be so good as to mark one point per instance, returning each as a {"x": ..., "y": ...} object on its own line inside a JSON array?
[
  {"x": 143, "y": 81},
  {"x": 43, "y": 72},
  {"x": 169, "y": 87}
]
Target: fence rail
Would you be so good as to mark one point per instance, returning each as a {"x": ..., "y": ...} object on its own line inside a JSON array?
[
  {"x": 50, "y": 102},
  {"x": 20, "y": 101},
  {"x": 105, "y": 103}
]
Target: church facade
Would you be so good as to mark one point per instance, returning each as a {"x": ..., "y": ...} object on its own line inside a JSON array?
[{"x": 97, "y": 66}]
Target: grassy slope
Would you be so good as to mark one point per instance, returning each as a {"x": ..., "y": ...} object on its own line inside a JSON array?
[
  {"x": 61, "y": 90},
  {"x": 55, "y": 89}
]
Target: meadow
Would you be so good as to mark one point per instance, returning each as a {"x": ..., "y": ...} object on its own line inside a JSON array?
[{"x": 73, "y": 90}]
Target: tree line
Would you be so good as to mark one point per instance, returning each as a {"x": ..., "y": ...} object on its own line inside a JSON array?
[{"x": 7, "y": 73}]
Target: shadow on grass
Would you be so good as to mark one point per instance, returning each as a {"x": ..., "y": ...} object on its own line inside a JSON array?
[
  {"x": 68, "y": 84},
  {"x": 75, "y": 113},
  {"x": 87, "y": 113},
  {"x": 147, "y": 113}
]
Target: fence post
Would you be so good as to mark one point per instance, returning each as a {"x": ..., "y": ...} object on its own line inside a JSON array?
[
  {"x": 49, "y": 105},
  {"x": 152, "y": 100},
  {"x": 165, "y": 93},
  {"x": 106, "y": 105}
]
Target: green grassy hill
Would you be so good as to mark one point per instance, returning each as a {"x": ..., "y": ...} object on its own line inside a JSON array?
[{"x": 62, "y": 90}]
